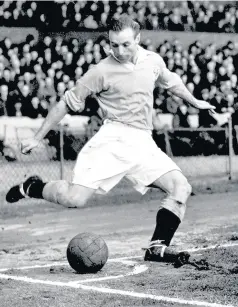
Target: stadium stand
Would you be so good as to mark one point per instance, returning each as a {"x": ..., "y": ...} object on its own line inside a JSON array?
[
  {"x": 213, "y": 16},
  {"x": 34, "y": 73}
]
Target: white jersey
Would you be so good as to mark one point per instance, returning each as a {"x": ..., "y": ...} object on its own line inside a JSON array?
[{"x": 124, "y": 90}]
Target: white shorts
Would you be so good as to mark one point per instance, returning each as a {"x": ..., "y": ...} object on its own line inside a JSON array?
[{"x": 116, "y": 151}]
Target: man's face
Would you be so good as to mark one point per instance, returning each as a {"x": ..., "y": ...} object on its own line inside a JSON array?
[{"x": 124, "y": 44}]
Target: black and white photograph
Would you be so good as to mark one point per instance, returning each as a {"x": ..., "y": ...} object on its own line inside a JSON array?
[{"x": 118, "y": 145}]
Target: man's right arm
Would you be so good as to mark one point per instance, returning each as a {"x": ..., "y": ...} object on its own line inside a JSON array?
[
  {"x": 55, "y": 115},
  {"x": 73, "y": 99}
]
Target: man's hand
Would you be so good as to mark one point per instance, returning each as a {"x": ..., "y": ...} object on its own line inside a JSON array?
[
  {"x": 28, "y": 144},
  {"x": 203, "y": 105}
]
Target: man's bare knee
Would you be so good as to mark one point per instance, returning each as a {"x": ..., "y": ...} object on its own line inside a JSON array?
[
  {"x": 176, "y": 185},
  {"x": 78, "y": 196},
  {"x": 184, "y": 186},
  {"x": 181, "y": 189},
  {"x": 178, "y": 192},
  {"x": 75, "y": 201},
  {"x": 67, "y": 194}
]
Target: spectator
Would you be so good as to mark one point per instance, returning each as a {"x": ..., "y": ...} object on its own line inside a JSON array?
[
  {"x": 181, "y": 117},
  {"x": 218, "y": 15},
  {"x": 29, "y": 80},
  {"x": 60, "y": 90},
  {"x": 78, "y": 72},
  {"x": 211, "y": 78},
  {"x": 48, "y": 91},
  {"x": 68, "y": 64},
  {"x": 4, "y": 101},
  {"x": 18, "y": 107},
  {"x": 90, "y": 22},
  {"x": 175, "y": 23},
  {"x": 225, "y": 25},
  {"x": 24, "y": 96},
  {"x": 35, "y": 110},
  {"x": 190, "y": 24},
  {"x": 43, "y": 108},
  {"x": 7, "y": 79}
]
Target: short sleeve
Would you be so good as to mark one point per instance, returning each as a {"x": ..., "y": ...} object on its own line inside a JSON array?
[
  {"x": 166, "y": 78},
  {"x": 90, "y": 83}
]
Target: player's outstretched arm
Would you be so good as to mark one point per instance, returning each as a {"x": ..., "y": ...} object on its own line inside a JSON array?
[
  {"x": 173, "y": 83},
  {"x": 73, "y": 99},
  {"x": 181, "y": 91},
  {"x": 55, "y": 115}
]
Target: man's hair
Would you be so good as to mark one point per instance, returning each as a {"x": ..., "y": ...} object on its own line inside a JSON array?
[{"x": 124, "y": 22}]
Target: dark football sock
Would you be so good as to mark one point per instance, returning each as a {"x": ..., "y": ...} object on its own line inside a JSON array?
[
  {"x": 35, "y": 189},
  {"x": 166, "y": 225}
]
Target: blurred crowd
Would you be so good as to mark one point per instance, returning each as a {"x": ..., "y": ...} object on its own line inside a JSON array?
[
  {"x": 209, "y": 72},
  {"x": 35, "y": 74},
  {"x": 209, "y": 16}
]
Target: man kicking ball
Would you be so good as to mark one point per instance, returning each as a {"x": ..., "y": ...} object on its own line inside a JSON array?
[{"x": 123, "y": 147}]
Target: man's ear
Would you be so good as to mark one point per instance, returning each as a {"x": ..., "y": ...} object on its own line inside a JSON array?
[{"x": 138, "y": 38}]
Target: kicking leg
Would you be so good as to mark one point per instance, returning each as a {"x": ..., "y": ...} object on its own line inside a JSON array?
[
  {"x": 170, "y": 214},
  {"x": 60, "y": 192}
]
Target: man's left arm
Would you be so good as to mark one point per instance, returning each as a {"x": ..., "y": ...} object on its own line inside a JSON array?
[{"x": 173, "y": 83}]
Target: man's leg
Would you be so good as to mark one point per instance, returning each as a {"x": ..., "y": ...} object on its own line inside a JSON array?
[
  {"x": 171, "y": 213},
  {"x": 60, "y": 192}
]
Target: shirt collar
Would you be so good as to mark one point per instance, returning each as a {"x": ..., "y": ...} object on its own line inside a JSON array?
[{"x": 141, "y": 54}]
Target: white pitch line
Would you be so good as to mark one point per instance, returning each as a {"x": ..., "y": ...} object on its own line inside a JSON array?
[
  {"x": 62, "y": 263},
  {"x": 138, "y": 269},
  {"x": 126, "y": 260},
  {"x": 212, "y": 247},
  {"x": 152, "y": 297},
  {"x": 37, "y": 266},
  {"x": 113, "y": 291},
  {"x": 48, "y": 265},
  {"x": 195, "y": 249}
]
